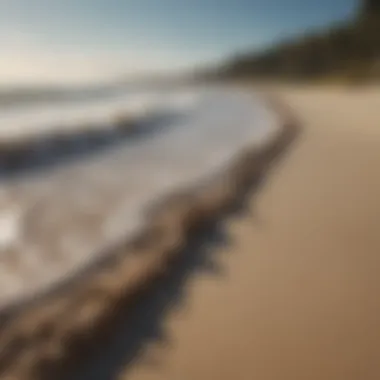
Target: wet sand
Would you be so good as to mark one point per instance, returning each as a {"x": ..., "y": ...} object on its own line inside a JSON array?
[{"x": 291, "y": 290}]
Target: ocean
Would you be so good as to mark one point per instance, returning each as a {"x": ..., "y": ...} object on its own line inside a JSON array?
[{"x": 63, "y": 209}]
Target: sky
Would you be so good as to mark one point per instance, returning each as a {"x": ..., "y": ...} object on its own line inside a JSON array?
[{"x": 71, "y": 41}]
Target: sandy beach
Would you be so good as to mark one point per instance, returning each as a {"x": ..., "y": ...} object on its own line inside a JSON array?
[
  {"x": 190, "y": 190},
  {"x": 283, "y": 287},
  {"x": 291, "y": 291}
]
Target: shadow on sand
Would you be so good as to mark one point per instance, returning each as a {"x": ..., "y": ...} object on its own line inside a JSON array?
[{"x": 144, "y": 325}]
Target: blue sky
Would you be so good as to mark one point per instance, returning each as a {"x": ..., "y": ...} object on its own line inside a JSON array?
[{"x": 73, "y": 40}]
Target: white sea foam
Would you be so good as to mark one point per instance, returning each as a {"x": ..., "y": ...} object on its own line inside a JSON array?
[
  {"x": 92, "y": 114},
  {"x": 72, "y": 211},
  {"x": 10, "y": 227}
]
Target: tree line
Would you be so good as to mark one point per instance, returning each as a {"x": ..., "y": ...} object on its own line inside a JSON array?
[{"x": 350, "y": 49}]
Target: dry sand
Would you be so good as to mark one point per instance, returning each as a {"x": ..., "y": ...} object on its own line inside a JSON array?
[{"x": 294, "y": 292}]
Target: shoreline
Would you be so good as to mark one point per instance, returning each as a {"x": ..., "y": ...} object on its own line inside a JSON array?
[
  {"x": 291, "y": 289},
  {"x": 98, "y": 301},
  {"x": 71, "y": 216}
]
